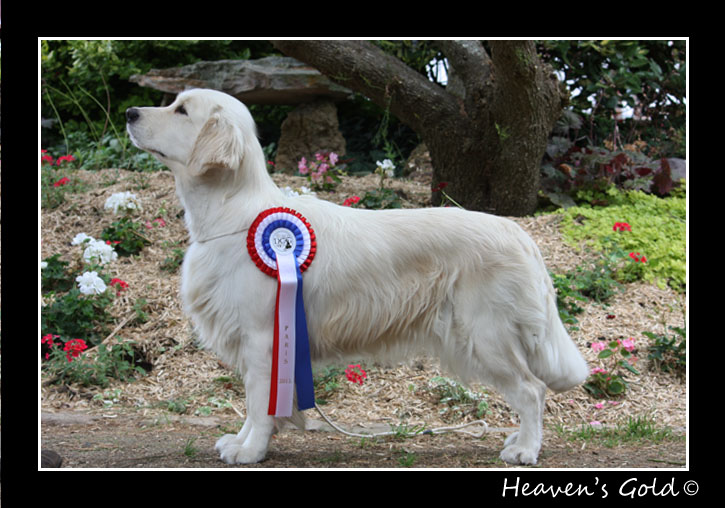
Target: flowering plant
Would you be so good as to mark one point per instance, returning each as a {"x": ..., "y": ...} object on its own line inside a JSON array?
[
  {"x": 71, "y": 363},
  {"x": 323, "y": 173},
  {"x": 298, "y": 191},
  {"x": 72, "y": 348},
  {"x": 385, "y": 169},
  {"x": 47, "y": 159},
  {"x": 123, "y": 202},
  {"x": 610, "y": 381},
  {"x": 55, "y": 181},
  {"x": 126, "y": 236},
  {"x": 119, "y": 284},
  {"x": 351, "y": 201},
  {"x": 91, "y": 284},
  {"x": 355, "y": 374},
  {"x": 99, "y": 252}
]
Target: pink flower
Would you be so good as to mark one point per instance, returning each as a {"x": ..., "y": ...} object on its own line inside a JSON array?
[
  {"x": 599, "y": 405},
  {"x": 597, "y": 370},
  {"x": 628, "y": 344},
  {"x": 599, "y": 346},
  {"x": 302, "y": 166},
  {"x": 157, "y": 222},
  {"x": 333, "y": 158}
]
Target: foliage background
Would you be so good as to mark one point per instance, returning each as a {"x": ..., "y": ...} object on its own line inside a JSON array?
[{"x": 82, "y": 79}]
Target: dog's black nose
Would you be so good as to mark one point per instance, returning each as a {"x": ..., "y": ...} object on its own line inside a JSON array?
[{"x": 132, "y": 115}]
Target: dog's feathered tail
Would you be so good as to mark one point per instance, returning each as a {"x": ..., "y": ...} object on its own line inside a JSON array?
[{"x": 552, "y": 355}]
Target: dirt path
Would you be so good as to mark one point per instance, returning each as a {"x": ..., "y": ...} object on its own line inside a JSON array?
[{"x": 87, "y": 440}]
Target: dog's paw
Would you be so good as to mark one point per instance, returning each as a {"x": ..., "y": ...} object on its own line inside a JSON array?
[
  {"x": 235, "y": 451},
  {"x": 514, "y": 454},
  {"x": 225, "y": 440}
]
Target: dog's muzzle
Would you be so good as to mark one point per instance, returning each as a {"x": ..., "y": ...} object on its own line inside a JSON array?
[{"x": 132, "y": 116}]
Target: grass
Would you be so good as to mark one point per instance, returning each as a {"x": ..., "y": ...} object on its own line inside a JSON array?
[{"x": 640, "y": 429}]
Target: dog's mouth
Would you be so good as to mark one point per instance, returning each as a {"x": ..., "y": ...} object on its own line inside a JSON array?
[
  {"x": 141, "y": 147},
  {"x": 160, "y": 154}
]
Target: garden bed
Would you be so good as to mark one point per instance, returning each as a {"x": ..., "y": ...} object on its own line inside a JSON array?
[{"x": 183, "y": 380}]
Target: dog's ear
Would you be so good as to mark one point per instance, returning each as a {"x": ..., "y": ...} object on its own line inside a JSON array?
[{"x": 220, "y": 144}]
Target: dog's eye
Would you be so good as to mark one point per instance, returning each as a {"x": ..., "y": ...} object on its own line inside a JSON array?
[{"x": 181, "y": 110}]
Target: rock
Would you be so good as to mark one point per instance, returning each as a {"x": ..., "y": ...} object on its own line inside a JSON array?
[
  {"x": 50, "y": 458},
  {"x": 419, "y": 165},
  {"x": 270, "y": 80},
  {"x": 678, "y": 168},
  {"x": 308, "y": 129}
]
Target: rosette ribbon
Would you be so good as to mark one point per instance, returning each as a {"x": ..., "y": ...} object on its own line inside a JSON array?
[{"x": 282, "y": 244}]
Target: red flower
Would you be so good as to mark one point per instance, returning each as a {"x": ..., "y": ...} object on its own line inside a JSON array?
[
  {"x": 351, "y": 201},
  {"x": 48, "y": 159},
  {"x": 73, "y": 348},
  {"x": 121, "y": 285},
  {"x": 621, "y": 226},
  {"x": 638, "y": 257},
  {"x": 65, "y": 158},
  {"x": 355, "y": 374},
  {"x": 48, "y": 339},
  {"x": 62, "y": 181},
  {"x": 440, "y": 187}
]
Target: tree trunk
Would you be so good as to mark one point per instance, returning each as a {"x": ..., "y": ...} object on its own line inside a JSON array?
[{"x": 486, "y": 137}]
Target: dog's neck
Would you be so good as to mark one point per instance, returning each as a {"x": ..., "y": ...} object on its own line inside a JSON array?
[{"x": 222, "y": 202}]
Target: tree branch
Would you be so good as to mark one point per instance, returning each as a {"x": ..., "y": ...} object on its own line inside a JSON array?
[
  {"x": 469, "y": 59},
  {"x": 382, "y": 78}
]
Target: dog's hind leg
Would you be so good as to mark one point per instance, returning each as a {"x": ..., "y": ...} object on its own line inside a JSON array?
[
  {"x": 526, "y": 396},
  {"x": 495, "y": 356}
]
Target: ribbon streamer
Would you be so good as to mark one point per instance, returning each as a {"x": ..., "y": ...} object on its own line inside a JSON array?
[{"x": 282, "y": 244}]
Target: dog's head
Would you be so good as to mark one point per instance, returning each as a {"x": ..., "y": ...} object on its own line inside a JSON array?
[{"x": 202, "y": 129}]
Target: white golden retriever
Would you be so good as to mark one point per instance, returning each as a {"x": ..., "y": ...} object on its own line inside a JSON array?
[{"x": 470, "y": 287}]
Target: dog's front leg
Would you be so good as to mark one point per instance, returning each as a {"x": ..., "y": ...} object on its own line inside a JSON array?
[{"x": 250, "y": 445}]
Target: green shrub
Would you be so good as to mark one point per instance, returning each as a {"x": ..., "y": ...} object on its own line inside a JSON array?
[
  {"x": 658, "y": 231},
  {"x": 126, "y": 237},
  {"x": 669, "y": 354}
]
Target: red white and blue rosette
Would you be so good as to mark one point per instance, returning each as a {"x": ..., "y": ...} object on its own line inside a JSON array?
[{"x": 282, "y": 244}]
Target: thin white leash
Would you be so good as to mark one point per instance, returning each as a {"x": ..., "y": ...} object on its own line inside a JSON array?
[{"x": 438, "y": 430}]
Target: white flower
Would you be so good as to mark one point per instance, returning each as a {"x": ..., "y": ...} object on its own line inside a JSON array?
[
  {"x": 386, "y": 164},
  {"x": 122, "y": 201},
  {"x": 43, "y": 264},
  {"x": 387, "y": 167},
  {"x": 293, "y": 193},
  {"x": 90, "y": 283},
  {"x": 99, "y": 251},
  {"x": 80, "y": 238}
]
